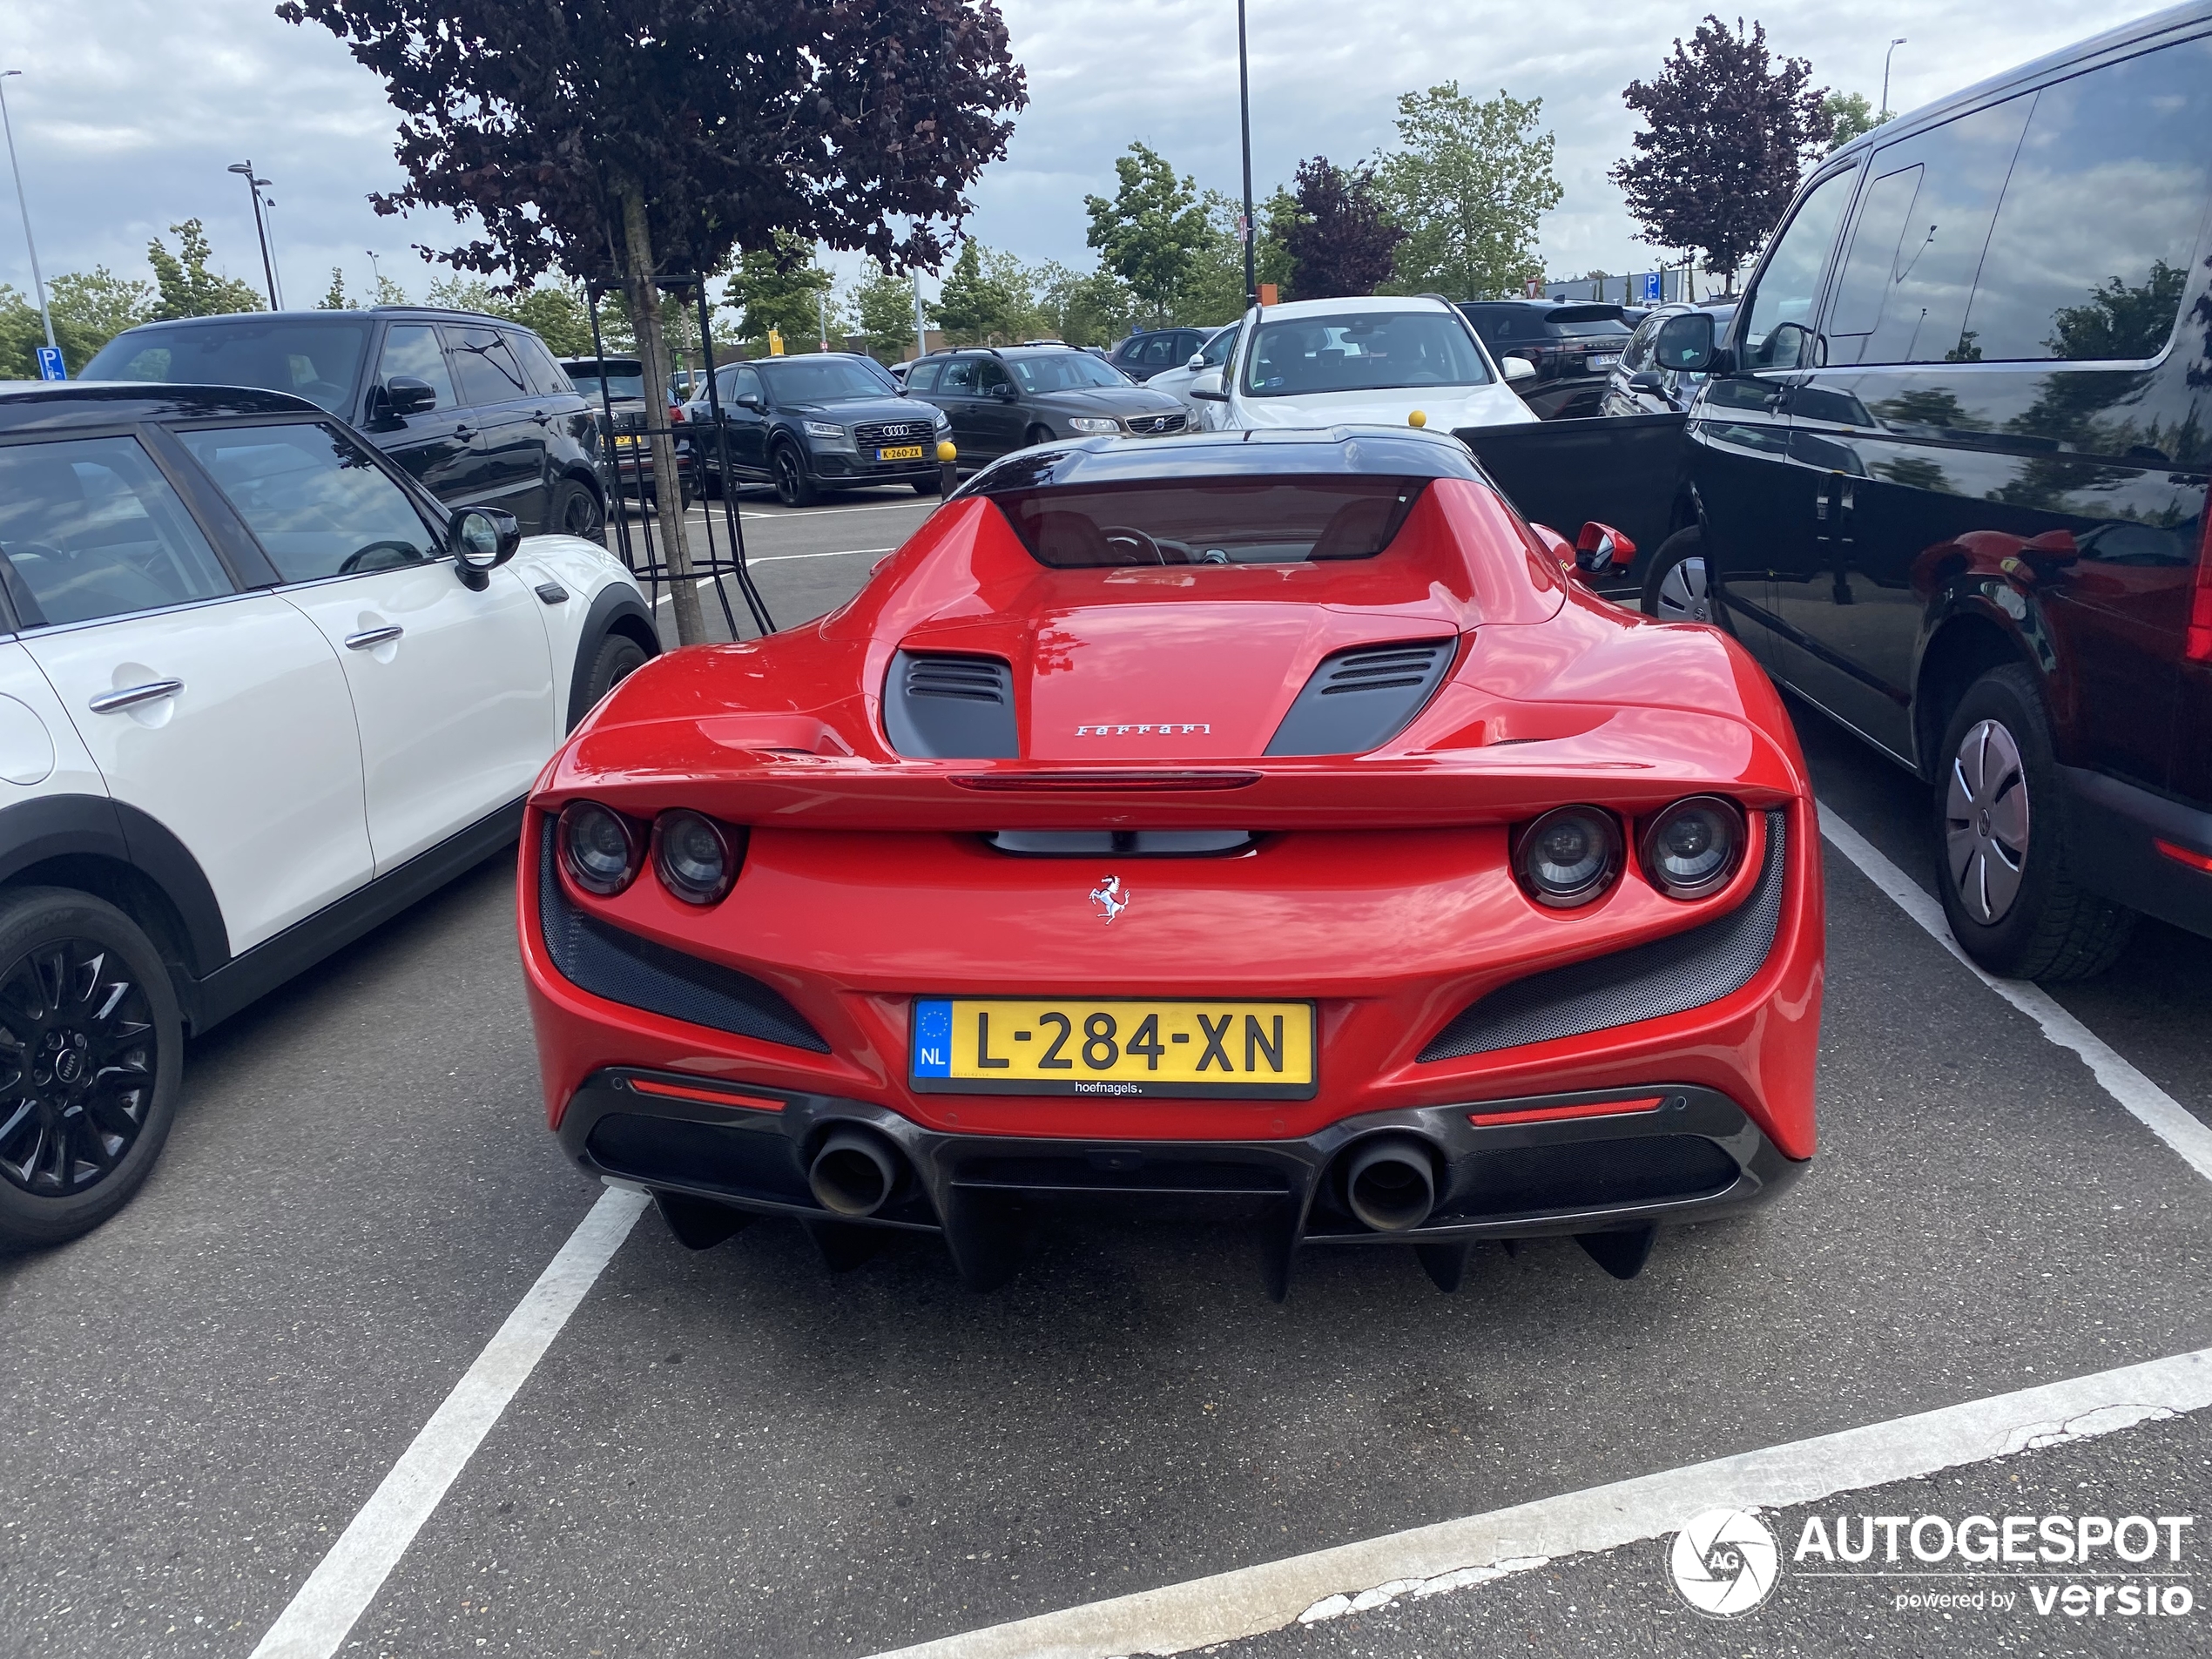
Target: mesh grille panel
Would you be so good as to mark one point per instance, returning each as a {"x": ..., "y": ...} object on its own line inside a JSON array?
[
  {"x": 1670, "y": 975},
  {"x": 639, "y": 973},
  {"x": 870, "y": 432}
]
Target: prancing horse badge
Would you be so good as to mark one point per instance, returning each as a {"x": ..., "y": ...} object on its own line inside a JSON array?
[{"x": 1109, "y": 898}]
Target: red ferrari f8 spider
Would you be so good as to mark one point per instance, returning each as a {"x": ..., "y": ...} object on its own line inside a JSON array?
[{"x": 1272, "y": 818}]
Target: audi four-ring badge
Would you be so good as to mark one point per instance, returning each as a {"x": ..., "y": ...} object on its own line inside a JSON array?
[{"x": 1270, "y": 821}]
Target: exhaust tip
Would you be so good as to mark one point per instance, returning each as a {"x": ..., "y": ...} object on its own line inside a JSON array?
[
  {"x": 854, "y": 1173},
  {"x": 1391, "y": 1183}
]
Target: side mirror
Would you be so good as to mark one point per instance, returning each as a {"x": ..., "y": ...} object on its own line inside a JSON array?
[
  {"x": 482, "y": 539},
  {"x": 748, "y": 401},
  {"x": 1600, "y": 548},
  {"x": 408, "y": 395},
  {"x": 1685, "y": 344},
  {"x": 1517, "y": 368},
  {"x": 1207, "y": 388},
  {"x": 1792, "y": 345},
  {"x": 1197, "y": 360},
  {"x": 1006, "y": 391},
  {"x": 1644, "y": 381}
]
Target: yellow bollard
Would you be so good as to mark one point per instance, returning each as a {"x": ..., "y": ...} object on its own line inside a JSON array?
[
  {"x": 1417, "y": 419},
  {"x": 944, "y": 450}
]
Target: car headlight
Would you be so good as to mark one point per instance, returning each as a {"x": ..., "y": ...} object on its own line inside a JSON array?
[
  {"x": 821, "y": 430},
  {"x": 1568, "y": 857},
  {"x": 942, "y": 422},
  {"x": 1093, "y": 423},
  {"x": 694, "y": 855},
  {"x": 598, "y": 847},
  {"x": 1694, "y": 846}
]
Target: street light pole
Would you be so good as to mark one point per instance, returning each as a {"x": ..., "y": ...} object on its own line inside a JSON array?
[
  {"x": 921, "y": 321},
  {"x": 1245, "y": 115},
  {"x": 1887, "y": 56},
  {"x": 253, "y": 187},
  {"x": 38, "y": 280}
]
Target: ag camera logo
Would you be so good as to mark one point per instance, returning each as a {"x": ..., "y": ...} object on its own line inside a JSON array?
[{"x": 1725, "y": 1562}]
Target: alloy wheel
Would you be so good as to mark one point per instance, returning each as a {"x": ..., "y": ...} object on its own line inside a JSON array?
[
  {"x": 1986, "y": 822},
  {"x": 1682, "y": 593},
  {"x": 76, "y": 1066},
  {"x": 581, "y": 516},
  {"x": 787, "y": 480}
]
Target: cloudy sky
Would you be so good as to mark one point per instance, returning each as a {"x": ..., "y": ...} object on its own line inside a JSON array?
[{"x": 127, "y": 111}]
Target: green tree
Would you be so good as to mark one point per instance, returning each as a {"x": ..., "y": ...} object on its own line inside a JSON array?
[
  {"x": 1213, "y": 288},
  {"x": 553, "y": 310},
  {"x": 1151, "y": 233},
  {"x": 778, "y": 286},
  {"x": 92, "y": 307},
  {"x": 335, "y": 297},
  {"x": 986, "y": 299},
  {"x": 22, "y": 333},
  {"x": 1853, "y": 115},
  {"x": 187, "y": 288},
  {"x": 1082, "y": 307},
  {"x": 1467, "y": 184},
  {"x": 881, "y": 305},
  {"x": 1272, "y": 260}
]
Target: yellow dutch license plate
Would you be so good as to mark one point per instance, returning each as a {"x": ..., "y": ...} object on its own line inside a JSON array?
[
  {"x": 901, "y": 452},
  {"x": 626, "y": 443},
  {"x": 1097, "y": 1046}
]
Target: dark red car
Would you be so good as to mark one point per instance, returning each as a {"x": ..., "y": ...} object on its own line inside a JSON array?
[{"x": 1266, "y": 818}]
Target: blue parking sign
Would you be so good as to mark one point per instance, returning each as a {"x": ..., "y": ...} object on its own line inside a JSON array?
[
  {"x": 51, "y": 366},
  {"x": 1651, "y": 287}
]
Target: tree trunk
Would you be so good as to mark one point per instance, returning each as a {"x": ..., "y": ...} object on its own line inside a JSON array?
[{"x": 652, "y": 350}]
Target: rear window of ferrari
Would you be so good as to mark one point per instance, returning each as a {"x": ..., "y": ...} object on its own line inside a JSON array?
[{"x": 1211, "y": 520}]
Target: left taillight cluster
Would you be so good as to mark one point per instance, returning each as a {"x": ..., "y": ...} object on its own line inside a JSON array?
[
  {"x": 1574, "y": 854},
  {"x": 695, "y": 856}
]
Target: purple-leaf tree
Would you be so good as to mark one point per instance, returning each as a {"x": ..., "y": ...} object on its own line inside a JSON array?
[{"x": 1342, "y": 241}]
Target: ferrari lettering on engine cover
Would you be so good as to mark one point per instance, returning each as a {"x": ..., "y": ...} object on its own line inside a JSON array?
[{"x": 1160, "y": 728}]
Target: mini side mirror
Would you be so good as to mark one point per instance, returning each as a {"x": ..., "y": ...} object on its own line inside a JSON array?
[
  {"x": 1517, "y": 368},
  {"x": 408, "y": 395},
  {"x": 482, "y": 539},
  {"x": 1207, "y": 388},
  {"x": 1685, "y": 343}
]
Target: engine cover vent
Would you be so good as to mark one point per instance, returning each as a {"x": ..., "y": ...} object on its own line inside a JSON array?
[
  {"x": 1362, "y": 698},
  {"x": 940, "y": 706}
]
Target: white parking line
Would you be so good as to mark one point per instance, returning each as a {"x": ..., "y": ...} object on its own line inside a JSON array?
[
  {"x": 2152, "y": 1106},
  {"x": 346, "y": 1581},
  {"x": 785, "y": 558},
  {"x": 1453, "y": 1555}
]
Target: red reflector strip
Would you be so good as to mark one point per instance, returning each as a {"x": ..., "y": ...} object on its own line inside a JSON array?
[
  {"x": 1552, "y": 1114},
  {"x": 1043, "y": 783},
  {"x": 2184, "y": 855},
  {"x": 712, "y": 1097}
]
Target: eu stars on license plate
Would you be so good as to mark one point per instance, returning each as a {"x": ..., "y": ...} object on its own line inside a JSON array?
[{"x": 1104, "y": 1046}]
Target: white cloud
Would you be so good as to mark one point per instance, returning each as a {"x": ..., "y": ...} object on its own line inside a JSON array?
[{"x": 128, "y": 111}]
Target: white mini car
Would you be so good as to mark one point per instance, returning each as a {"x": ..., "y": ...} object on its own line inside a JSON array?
[
  {"x": 259, "y": 691},
  {"x": 1360, "y": 363}
]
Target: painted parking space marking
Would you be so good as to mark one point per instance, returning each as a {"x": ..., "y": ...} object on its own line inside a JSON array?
[
  {"x": 2150, "y": 1105},
  {"x": 347, "y": 1579},
  {"x": 1455, "y": 1554}
]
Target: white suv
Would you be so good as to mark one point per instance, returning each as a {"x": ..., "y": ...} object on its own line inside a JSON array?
[
  {"x": 1371, "y": 361},
  {"x": 257, "y": 692}
]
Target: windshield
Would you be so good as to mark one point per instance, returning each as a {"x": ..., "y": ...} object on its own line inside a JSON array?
[
  {"x": 1064, "y": 372},
  {"x": 826, "y": 379},
  {"x": 1214, "y": 521},
  {"x": 1355, "y": 352},
  {"x": 318, "y": 359},
  {"x": 619, "y": 379},
  {"x": 1583, "y": 330}
]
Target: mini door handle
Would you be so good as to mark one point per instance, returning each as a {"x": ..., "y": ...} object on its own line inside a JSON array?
[
  {"x": 129, "y": 697},
  {"x": 540, "y": 416},
  {"x": 370, "y": 638}
]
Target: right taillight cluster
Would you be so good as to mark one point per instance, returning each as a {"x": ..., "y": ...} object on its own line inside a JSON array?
[
  {"x": 1573, "y": 855},
  {"x": 696, "y": 857},
  {"x": 2199, "y": 646}
]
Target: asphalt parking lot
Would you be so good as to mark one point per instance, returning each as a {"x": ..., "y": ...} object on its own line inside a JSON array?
[{"x": 739, "y": 1453}]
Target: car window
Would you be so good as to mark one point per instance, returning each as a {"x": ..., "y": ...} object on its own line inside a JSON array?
[
  {"x": 960, "y": 377},
  {"x": 1217, "y": 349},
  {"x": 486, "y": 365},
  {"x": 922, "y": 376},
  {"x": 2100, "y": 217},
  {"x": 1240, "y": 521},
  {"x": 746, "y": 382},
  {"x": 318, "y": 359},
  {"x": 314, "y": 499},
  {"x": 612, "y": 375},
  {"x": 1637, "y": 352},
  {"x": 1791, "y": 282},
  {"x": 411, "y": 349},
  {"x": 89, "y": 528},
  {"x": 1066, "y": 371},
  {"x": 545, "y": 375},
  {"x": 1918, "y": 241},
  {"x": 1160, "y": 353},
  {"x": 1356, "y": 351},
  {"x": 815, "y": 379},
  {"x": 990, "y": 374}
]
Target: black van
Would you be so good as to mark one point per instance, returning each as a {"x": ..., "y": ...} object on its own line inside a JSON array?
[
  {"x": 474, "y": 407},
  {"x": 1948, "y": 480}
]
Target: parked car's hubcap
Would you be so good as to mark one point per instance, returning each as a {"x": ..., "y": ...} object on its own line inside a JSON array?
[
  {"x": 1682, "y": 595},
  {"x": 1984, "y": 821},
  {"x": 582, "y": 516},
  {"x": 77, "y": 1066}
]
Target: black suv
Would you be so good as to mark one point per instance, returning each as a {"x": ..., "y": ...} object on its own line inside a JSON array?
[
  {"x": 823, "y": 421},
  {"x": 475, "y": 409},
  {"x": 1573, "y": 348},
  {"x": 1002, "y": 401},
  {"x": 1142, "y": 355}
]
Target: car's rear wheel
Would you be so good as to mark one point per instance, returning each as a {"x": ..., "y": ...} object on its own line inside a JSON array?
[
  {"x": 794, "y": 487},
  {"x": 91, "y": 1055},
  {"x": 575, "y": 510},
  {"x": 1676, "y": 586},
  {"x": 2010, "y": 888},
  {"x": 617, "y": 659}
]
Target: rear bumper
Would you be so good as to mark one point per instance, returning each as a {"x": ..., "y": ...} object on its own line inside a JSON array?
[
  {"x": 1686, "y": 1153},
  {"x": 2116, "y": 829}
]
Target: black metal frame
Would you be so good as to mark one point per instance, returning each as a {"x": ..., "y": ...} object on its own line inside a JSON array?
[{"x": 645, "y": 560}]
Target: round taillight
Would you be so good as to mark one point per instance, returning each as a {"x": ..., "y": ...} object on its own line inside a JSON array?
[
  {"x": 598, "y": 847},
  {"x": 694, "y": 856},
  {"x": 1568, "y": 857},
  {"x": 1692, "y": 847}
]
